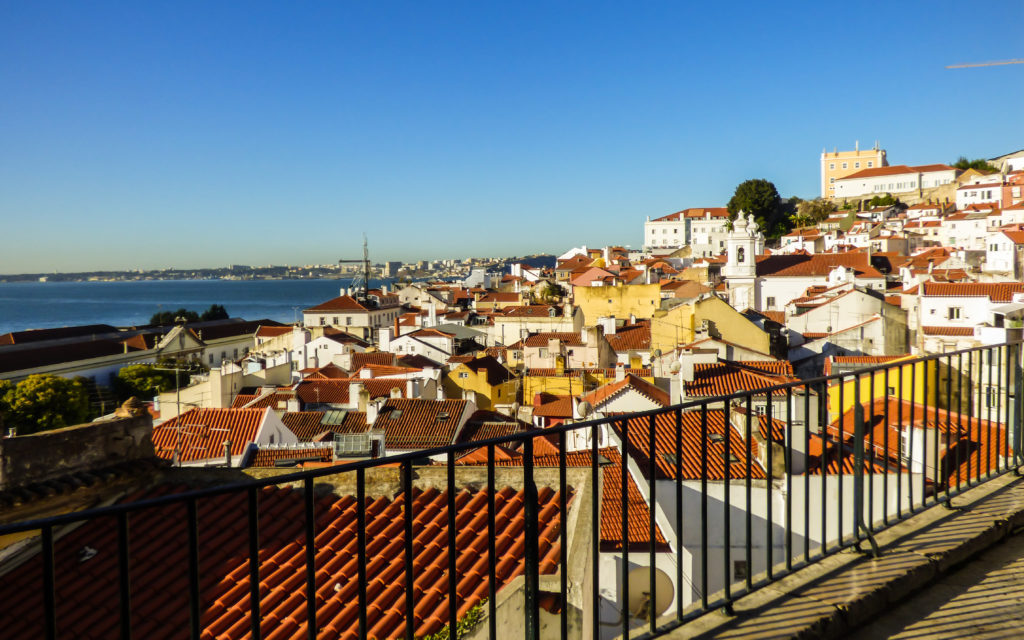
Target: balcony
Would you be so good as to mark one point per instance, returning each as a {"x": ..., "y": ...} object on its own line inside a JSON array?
[{"x": 635, "y": 525}]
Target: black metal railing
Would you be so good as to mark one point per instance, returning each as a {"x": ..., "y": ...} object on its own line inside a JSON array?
[{"x": 716, "y": 497}]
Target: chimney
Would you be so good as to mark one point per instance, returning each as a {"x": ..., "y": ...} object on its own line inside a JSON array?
[
  {"x": 608, "y": 324},
  {"x": 292, "y": 404},
  {"x": 357, "y": 395},
  {"x": 372, "y": 409},
  {"x": 396, "y": 393},
  {"x": 384, "y": 337},
  {"x": 412, "y": 388},
  {"x": 620, "y": 372},
  {"x": 686, "y": 367},
  {"x": 227, "y": 453}
]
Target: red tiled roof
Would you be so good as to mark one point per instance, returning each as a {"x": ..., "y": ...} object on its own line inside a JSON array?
[
  {"x": 360, "y": 360},
  {"x": 159, "y": 567},
  {"x": 897, "y": 169},
  {"x": 307, "y": 425},
  {"x": 948, "y": 331},
  {"x": 819, "y": 264},
  {"x": 419, "y": 424},
  {"x": 199, "y": 434},
  {"x": 273, "y": 332},
  {"x": 723, "y": 378},
  {"x": 242, "y": 399},
  {"x": 532, "y": 311},
  {"x": 328, "y": 372},
  {"x": 997, "y": 291},
  {"x": 641, "y": 386},
  {"x": 667, "y": 464},
  {"x": 341, "y": 303},
  {"x": 336, "y": 391},
  {"x": 270, "y": 457},
  {"x": 560, "y": 408},
  {"x": 541, "y": 339},
  {"x": 635, "y": 337}
]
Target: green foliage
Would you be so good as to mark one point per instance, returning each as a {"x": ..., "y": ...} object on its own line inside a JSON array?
[
  {"x": 467, "y": 623},
  {"x": 761, "y": 199},
  {"x": 811, "y": 212},
  {"x": 550, "y": 292},
  {"x": 215, "y": 312},
  {"x": 977, "y": 164},
  {"x": 887, "y": 200},
  {"x": 43, "y": 402},
  {"x": 140, "y": 380}
]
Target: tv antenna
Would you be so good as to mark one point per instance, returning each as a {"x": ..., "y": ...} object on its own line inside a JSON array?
[{"x": 362, "y": 280}]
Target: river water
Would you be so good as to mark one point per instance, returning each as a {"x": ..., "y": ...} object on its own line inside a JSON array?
[{"x": 40, "y": 305}]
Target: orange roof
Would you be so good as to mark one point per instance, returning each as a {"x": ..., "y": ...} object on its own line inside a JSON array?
[
  {"x": 532, "y": 311},
  {"x": 819, "y": 264},
  {"x": 641, "y": 386},
  {"x": 308, "y": 425},
  {"x": 337, "y": 391},
  {"x": 896, "y": 169},
  {"x": 698, "y": 212},
  {"x": 273, "y": 332},
  {"x": 668, "y": 465},
  {"x": 996, "y": 291},
  {"x": 541, "y": 339},
  {"x": 631, "y": 337},
  {"x": 948, "y": 331},
  {"x": 723, "y": 378},
  {"x": 341, "y": 303},
  {"x": 199, "y": 434},
  {"x": 159, "y": 577},
  {"x": 419, "y": 424},
  {"x": 270, "y": 457}
]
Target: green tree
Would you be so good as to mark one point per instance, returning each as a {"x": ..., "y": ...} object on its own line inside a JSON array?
[
  {"x": 215, "y": 312},
  {"x": 811, "y": 212},
  {"x": 977, "y": 164},
  {"x": 887, "y": 200},
  {"x": 761, "y": 199},
  {"x": 140, "y": 380},
  {"x": 170, "y": 317},
  {"x": 43, "y": 402}
]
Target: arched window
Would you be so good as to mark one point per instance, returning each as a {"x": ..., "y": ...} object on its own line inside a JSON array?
[{"x": 741, "y": 254}]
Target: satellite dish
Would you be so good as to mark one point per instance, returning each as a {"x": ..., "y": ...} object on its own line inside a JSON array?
[
  {"x": 674, "y": 369},
  {"x": 656, "y": 353},
  {"x": 640, "y": 592},
  {"x": 584, "y": 408}
]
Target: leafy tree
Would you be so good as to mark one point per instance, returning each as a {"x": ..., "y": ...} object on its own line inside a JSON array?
[
  {"x": 811, "y": 212},
  {"x": 140, "y": 380},
  {"x": 170, "y": 317},
  {"x": 550, "y": 292},
  {"x": 887, "y": 200},
  {"x": 761, "y": 199},
  {"x": 978, "y": 164},
  {"x": 215, "y": 312},
  {"x": 42, "y": 402}
]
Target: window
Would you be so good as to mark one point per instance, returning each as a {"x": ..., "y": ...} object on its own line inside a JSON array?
[
  {"x": 992, "y": 397},
  {"x": 348, "y": 321},
  {"x": 844, "y": 165},
  {"x": 335, "y": 320},
  {"x": 870, "y": 164},
  {"x": 323, "y": 321},
  {"x": 770, "y": 302},
  {"x": 542, "y": 352},
  {"x": 831, "y": 180},
  {"x": 953, "y": 313},
  {"x": 463, "y": 375},
  {"x": 741, "y": 254},
  {"x": 890, "y": 390},
  {"x": 831, "y": 165},
  {"x": 856, "y": 165},
  {"x": 211, "y": 358}
]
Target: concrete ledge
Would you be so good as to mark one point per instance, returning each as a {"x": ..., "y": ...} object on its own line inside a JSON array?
[{"x": 837, "y": 594}]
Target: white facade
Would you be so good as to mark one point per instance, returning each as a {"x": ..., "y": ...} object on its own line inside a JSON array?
[
  {"x": 1001, "y": 253},
  {"x": 895, "y": 180},
  {"x": 671, "y": 231},
  {"x": 708, "y": 234},
  {"x": 984, "y": 193}
]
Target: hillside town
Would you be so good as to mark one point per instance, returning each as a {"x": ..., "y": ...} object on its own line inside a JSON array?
[{"x": 714, "y": 304}]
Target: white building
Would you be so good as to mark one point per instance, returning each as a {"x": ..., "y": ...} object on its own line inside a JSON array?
[
  {"x": 896, "y": 179},
  {"x": 357, "y": 316},
  {"x": 988, "y": 192},
  {"x": 708, "y": 232}
]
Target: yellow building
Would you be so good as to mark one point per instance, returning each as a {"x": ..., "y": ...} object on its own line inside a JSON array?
[
  {"x": 639, "y": 300},
  {"x": 489, "y": 382},
  {"x": 914, "y": 382},
  {"x": 574, "y": 382},
  {"x": 839, "y": 164},
  {"x": 681, "y": 324}
]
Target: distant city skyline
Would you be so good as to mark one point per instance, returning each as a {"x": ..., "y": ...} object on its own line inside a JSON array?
[{"x": 197, "y": 135}]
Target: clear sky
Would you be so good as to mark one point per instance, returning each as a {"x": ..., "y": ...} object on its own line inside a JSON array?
[{"x": 150, "y": 135}]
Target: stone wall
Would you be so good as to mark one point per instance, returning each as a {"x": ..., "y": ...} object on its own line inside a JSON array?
[{"x": 50, "y": 454}]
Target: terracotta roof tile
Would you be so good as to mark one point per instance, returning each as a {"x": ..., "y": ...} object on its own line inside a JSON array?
[
  {"x": 199, "y": 434},
  {"x": 997, "y": 291},
  {"x": 271, "y": 457},
  {"x": 641, "y": 386},
  {"x": 419, "y": 424},
  {"x": 636, "y": 337},
  {"x": 159, "y": 574},
  {"x": 541, "y": 339},
  {"x": 723, "y": 378},
  {"x": 948, "y": 331}
]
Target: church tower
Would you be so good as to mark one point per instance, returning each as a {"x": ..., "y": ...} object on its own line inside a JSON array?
[{"x": 744, "y": 243}]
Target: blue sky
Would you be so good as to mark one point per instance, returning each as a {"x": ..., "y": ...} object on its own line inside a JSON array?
[{"x": 150, "y": 135}]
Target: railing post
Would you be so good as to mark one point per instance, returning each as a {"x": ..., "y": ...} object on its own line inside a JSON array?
[
  {"x": 532, "y": 559},
  {"x": 858, "y": 473}
]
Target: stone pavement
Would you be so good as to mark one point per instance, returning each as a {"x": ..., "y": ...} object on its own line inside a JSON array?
[
  {"x": 983, "y": 600},
  {"x": 838, "y": 596}
]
